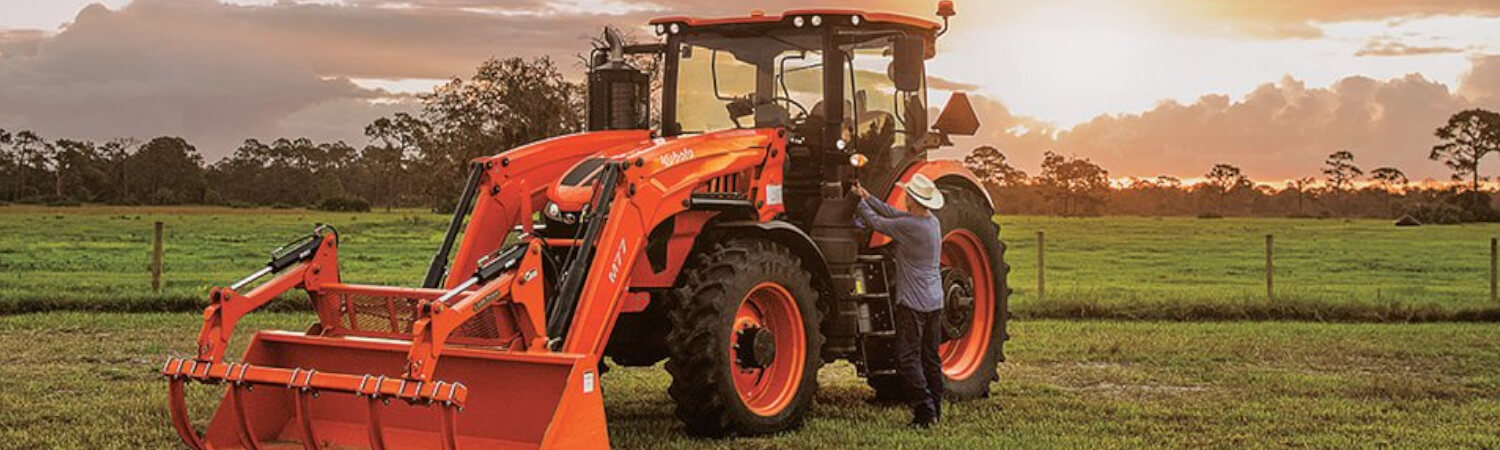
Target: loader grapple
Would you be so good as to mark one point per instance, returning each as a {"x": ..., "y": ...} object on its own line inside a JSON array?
[{"x": 364, "y": 377}]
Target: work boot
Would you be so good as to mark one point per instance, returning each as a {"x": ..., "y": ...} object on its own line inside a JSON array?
[
  {"x": 924, "y": 415},
  {"x": 923, "y": 421}
]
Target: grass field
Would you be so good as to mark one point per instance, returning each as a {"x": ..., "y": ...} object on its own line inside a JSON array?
[
  {"x": 1118, "y": 267},
  {"x": 88, "y": 380}
]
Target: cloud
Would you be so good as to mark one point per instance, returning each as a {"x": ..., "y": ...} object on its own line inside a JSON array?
[
  {"x": 1279, "y": 130},
  {"x": 1282, "y": 19},
  {"x": 20, "y": 42},
  {"x": 168, "y": 67},
  {"x": 1482, "y": 84},
  {"x": 1388, "y": 47}
]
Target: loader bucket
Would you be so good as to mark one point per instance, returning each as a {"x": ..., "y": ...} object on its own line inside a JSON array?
[{"x": 514, "y": 399}]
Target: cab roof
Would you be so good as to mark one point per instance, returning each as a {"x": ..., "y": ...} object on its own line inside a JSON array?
[{"x": 759, "y": 17}]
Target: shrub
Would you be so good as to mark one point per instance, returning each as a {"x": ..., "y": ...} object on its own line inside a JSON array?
[
  {"x": 163, "y": 196},
  {"x": 344, "y": 204},
  {"x": 1210, "y": 215},
  {"x": 213, "y": 197}
]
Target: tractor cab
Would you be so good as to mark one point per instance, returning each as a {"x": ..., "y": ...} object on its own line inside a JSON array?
[{"x": 841, "y": 82}]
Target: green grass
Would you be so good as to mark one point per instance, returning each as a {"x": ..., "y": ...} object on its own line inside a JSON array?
[
  {"x": 98, "y": 258},
  {"x": 88, "y": 380},
  {"x": 1180, "y": 268}
]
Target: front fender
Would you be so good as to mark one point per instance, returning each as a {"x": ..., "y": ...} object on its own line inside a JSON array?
[{"x": 794, "y": 238}]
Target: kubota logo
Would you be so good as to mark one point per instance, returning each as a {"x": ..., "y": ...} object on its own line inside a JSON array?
[
  {"x": 614, "y": 266},
  {"x": 675, "y": 158}
]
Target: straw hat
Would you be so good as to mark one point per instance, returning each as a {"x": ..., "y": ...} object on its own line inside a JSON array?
[{"x": 924, "y": 191}]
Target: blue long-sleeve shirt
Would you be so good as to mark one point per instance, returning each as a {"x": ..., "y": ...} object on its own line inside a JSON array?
[{"x": 918, "y": 241}]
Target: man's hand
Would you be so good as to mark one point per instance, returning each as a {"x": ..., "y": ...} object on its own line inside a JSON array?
[{"x": 859, "y": 190}]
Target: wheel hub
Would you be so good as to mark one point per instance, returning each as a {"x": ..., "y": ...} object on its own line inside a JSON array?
[
  {"x": 755, "y": 348},
  {"x": 958, "y": 304}
]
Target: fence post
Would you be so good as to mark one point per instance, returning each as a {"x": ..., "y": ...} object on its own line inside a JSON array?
[
  {"x": 1270, "y": 267},
  {"x": 156, "y": 255},
  {"x": 1041, "y": 264},
  {"x": 1494, "y": 267}
]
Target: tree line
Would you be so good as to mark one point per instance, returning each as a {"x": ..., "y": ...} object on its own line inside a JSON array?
[
  {"x": 410, "y": 160},
  {"x": 1073, "y": 186},
  {"x": 420, "y": 160}
]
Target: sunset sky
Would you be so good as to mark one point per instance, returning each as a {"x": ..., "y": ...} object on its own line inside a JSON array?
[{"x": 1144, "y": 87}]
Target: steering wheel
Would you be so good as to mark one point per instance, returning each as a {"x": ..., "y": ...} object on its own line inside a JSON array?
[{"x": 789, "y": 101}]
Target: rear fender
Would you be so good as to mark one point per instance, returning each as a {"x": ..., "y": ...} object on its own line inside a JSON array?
[{"x": 942, "y": 172}]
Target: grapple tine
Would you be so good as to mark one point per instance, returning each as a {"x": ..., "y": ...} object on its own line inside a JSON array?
[
  {"x": 247, "y": 437},
  {"x": 177, "y": 403},
  {"x": 304, "y": 416},
  {"x": 377, "y": 437},
  {"x": 372, "y": 404},
  {"x": 302, "y": 396},
  {"x": 450, "y": 431}
]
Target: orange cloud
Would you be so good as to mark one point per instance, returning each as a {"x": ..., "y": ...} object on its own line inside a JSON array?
[
  {"x": 1280, "y": 130},
  {"x": 1387, "y": 47}
]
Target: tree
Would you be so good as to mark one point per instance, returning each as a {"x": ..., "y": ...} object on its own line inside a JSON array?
[
  {"x": 991, "y": 167},
  {"x": 34, "y": 155},
  {"x": 167, "y": 170},
  {"x": 1302, "y": 187},
  {"x": 1168, "y": 181},
  {"x": 1389, "y": 178},
  {"x": 1341, "y": 171},
  {"x": 76, "y": 164},
  {"x": 395, "y": 141},
  {"x": 1224, "y": 179},
  {"x": 507, "y": 103},
  {"x": 1467, "y": 138},
  {"x": 1077, "y": 181}
]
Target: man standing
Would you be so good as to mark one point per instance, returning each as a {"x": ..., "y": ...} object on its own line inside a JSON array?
[{"x": 919, "y": 292}]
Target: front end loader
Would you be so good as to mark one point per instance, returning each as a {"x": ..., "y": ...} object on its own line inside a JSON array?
[{"x": 713, "y": 230}]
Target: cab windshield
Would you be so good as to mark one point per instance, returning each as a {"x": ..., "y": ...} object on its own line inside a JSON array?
[{"x": 727, "y": 82}]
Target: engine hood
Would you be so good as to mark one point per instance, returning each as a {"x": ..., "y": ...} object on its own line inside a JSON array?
[{"x": 576, "y": 187}]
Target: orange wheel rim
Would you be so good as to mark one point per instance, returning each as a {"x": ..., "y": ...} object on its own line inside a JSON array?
[
  {"x": 768, "y": 312},
  {"x": 962, "y": 355}
]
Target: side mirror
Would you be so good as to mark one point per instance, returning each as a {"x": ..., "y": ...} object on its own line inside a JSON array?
[
  {"x": 958, "y": 117},
  {"x": 908, "y": 70}
]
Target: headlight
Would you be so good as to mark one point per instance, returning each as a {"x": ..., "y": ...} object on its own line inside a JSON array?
[
  {"x": 553, "y": 212},
  {"x": 799, "y": 21},
  {"x": 817, "y": 21},
  {"x": 858, "y": 160},
  {"x": 676, "y": 28},
  {"x": 661, "y": 29},
  {"x": 855, "y": 20}
]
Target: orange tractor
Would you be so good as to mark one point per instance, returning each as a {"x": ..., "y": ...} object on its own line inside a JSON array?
[{"x": 705, "y": 220}]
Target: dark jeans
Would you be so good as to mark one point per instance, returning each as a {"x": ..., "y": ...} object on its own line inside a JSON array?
[{"x": 917, "y": 337}]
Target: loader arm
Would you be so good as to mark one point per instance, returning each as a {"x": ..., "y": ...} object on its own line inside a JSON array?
[
  {"x": 515, "y": 184},
  {"x": 656, "y": 184}
]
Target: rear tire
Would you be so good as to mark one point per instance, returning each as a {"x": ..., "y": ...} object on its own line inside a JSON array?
[
  {"x": 969, "y": 362},
  {"x": 732, "y": 287}
]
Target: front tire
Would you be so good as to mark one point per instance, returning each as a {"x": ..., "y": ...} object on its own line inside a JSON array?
[{"x": 745, "y": 340}]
